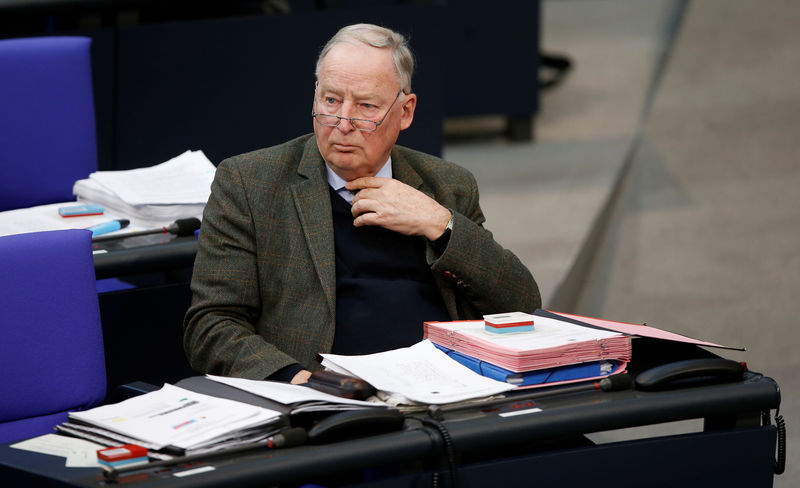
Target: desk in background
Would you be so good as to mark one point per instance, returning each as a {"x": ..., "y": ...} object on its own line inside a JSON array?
[{"x": 733, "y": 450}]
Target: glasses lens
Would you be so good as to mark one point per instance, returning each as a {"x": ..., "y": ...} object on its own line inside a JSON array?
[
  {"x": 364, "y": 125},
  {"x": 329, "y": 120},
  {"x": 333, "y": 121}
]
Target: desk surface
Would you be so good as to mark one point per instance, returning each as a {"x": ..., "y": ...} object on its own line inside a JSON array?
[
  {"x": 113, "y": 258},
  {"x": 735, "y": 406},
  {"x": 144, "y": 254}
]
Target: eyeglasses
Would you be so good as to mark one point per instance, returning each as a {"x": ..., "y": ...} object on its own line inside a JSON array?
[{"x": 363, "y": 125}]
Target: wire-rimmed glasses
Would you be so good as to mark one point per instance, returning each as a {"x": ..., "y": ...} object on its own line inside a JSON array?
[{"x": 363, "y": 125}]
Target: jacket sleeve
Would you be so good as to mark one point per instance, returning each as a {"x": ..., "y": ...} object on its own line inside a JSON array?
[
  {"x": 219, "y": 332},
  {"x": 485, "y": 277}
]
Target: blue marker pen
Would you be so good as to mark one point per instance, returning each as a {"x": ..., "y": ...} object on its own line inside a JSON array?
[{"x": 107, "y": 227}]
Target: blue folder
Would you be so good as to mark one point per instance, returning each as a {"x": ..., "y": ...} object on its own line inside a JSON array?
[{"x": 570, "y": 372}]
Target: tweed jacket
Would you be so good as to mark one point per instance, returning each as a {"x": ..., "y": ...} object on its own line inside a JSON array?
[{"x": 264, "y": 282}]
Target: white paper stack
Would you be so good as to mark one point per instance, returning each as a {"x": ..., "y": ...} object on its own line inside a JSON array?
[
  {"x": 176, "y": 418},
  {"x": 153, "y": 196},
  {"x": 552, "y": 343}
]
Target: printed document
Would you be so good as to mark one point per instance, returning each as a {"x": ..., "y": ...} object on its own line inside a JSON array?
[
  {"x": 177, "y": 417},
  {"x": 420, "y": 373}
]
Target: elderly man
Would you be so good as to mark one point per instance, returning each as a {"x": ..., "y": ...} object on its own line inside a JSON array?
[{"x": 340, "y": 241}]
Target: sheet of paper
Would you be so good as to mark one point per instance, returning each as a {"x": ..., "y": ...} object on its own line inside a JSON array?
[
  {"x": 286, "y": 393},
  {"x": 421, "y": 373},
  {"x": 46, "y": 217},
  {"x": 178, "y": 417},
  {"x": 79, "y": 453}
]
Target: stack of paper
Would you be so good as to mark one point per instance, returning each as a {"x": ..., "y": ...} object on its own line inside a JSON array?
[
  {"x": 153, "y": 196},
  {"x": 552, "y": 343},
  {"x": 175, "y": 421}
]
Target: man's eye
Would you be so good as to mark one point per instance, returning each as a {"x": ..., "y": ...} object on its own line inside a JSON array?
[{"x": 330, "y": 100}]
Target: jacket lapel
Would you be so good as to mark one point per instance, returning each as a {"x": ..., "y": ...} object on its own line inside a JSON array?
[
  {"x": 312, "y": 201},
  {"x": 403, "y": 170}
]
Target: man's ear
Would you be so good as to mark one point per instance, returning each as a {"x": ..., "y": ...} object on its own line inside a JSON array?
[{"x": 409, "y": 105}]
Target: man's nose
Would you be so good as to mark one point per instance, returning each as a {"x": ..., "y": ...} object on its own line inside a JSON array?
[{"x": 345, "y": 125}]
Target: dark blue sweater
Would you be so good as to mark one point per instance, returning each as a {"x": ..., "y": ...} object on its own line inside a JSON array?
[{"x": 384, "y": 286}]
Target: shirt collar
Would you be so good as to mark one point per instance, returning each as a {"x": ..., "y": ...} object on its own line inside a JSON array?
[{"x": 337, "y": 183}]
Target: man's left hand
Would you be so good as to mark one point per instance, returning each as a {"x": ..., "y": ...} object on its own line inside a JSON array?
[{"x": 392, "y": 204}]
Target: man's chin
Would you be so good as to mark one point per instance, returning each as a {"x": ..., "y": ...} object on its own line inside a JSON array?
[{"x": 346, "y": 166}]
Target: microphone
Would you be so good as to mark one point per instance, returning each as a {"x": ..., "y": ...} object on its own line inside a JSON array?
[
  {"x": 292, "y": 437},
  {"x": 181, "y": 227}
]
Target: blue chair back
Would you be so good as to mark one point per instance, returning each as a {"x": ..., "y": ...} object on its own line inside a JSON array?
[
  {"x": 51, "y": 341},
  {"x": 47, "y": 119}
]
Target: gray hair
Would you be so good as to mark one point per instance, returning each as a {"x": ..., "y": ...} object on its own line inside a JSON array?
[{"x": 380, "y": 37}]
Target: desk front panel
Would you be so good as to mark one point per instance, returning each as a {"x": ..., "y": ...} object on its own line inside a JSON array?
[{"x": 511, "y": 448}]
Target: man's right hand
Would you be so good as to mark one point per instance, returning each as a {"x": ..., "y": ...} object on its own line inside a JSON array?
[{"x": 394, "y": 205}]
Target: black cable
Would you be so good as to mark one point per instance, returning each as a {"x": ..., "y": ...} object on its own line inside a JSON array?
[{"x": 448, "y": 447}]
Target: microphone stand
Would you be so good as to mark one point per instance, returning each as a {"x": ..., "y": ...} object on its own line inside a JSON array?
[{"x": 181, "y": 227}]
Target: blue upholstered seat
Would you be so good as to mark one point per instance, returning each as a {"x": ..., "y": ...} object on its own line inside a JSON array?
[
  {"x": 47, "y": 119},
  {"x": 51, "y": 340}
]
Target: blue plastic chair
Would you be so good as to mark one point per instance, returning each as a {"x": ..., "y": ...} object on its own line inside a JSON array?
[
  {"x": 47, "y": 120},
  {"x": 51, "y": 341}
]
